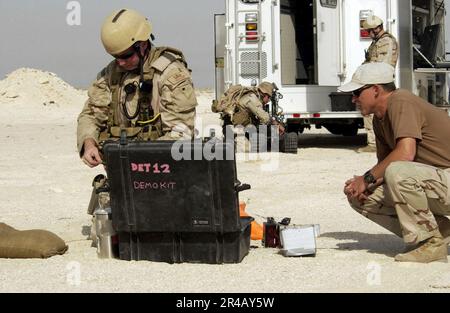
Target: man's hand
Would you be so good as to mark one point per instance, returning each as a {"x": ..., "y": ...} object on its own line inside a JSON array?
[
  {"x": 280, "y": 126},
  {"x": 91, "y": 156},
  {"x": 356, "y": 189},
  {"x": 281, "y": 129}
]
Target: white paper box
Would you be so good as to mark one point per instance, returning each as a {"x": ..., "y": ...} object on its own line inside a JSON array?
[{"x": 299, "y": 240}]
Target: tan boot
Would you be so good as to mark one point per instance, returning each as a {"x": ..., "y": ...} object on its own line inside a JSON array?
[
  {"x": 367, "y": 149},
  {"x": 430, "y": 250},
  {"x": 444, "y": 227}
]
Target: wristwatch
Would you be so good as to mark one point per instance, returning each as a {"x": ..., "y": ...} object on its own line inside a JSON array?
[{"x": 369, "y": 178}]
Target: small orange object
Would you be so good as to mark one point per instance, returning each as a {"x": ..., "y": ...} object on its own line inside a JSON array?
[
  {"x": 256, "y": 229},
  {"x": 242, "y": 206},
  {"x": 256, "y": 232}
]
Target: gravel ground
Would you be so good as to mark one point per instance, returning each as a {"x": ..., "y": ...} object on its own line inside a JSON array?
[{"x": 45, "y": 185}]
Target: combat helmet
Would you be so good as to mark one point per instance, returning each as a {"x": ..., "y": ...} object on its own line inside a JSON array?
[
  {"x": 372, "y": 22},
  {"x": 122, "y": 29},
  {"x": 266, "y": 87}
]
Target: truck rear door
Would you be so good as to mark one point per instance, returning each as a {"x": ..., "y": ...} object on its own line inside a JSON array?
[
  {"x": 327, "y": 32},
  {"x": 219, "y": 53}
]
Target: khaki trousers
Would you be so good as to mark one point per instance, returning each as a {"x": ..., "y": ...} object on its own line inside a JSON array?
[{"x": 413, "y": 196}]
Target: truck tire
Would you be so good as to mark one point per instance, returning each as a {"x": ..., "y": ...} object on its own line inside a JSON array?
[
  {"x": 295, "y": 128},
  {"x": 342, "y": 129},
  {"x": 350, "y": 130},
  {"x": 289, "y": 143}
]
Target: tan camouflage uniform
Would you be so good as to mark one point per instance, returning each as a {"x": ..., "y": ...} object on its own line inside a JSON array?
[
  {"x": 173, "y": 97},
  {"x": 383, "y": 49},
  {"x": 250, "y": 111},
  {"x": 411, "y": 203}
]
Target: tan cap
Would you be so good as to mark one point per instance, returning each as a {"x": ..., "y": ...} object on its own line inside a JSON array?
[
  {"x": 266, "y": 87},
  {"x": 122, "y": 29},
  {"x": 374, "y": 73},
  {"x": 372, "y": 22}
]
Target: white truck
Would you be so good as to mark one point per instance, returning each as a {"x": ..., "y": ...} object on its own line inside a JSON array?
[{"x": 310, "y": 47}]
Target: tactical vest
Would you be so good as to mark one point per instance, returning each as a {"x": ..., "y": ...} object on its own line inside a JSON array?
[
  {"x": 373, "y": 46},
  {"x": 147, "y": 124},
  {"x": 242, "y": 116},
  {"x": 229, "y": 105},
  {"x": 229, "y": 100}
]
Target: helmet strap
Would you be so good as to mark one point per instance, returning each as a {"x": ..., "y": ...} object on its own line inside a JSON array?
[{"x": 137, "y": 48}]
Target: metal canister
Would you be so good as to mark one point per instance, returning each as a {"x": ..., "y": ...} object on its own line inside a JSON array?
[{"x": 105, "y": 234}]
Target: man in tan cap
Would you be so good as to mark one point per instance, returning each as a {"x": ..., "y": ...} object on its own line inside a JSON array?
[
  {"x": 407, "y": 192},
  {"x": 384, "y": 48},
  {"x": 146, "y": 91}
]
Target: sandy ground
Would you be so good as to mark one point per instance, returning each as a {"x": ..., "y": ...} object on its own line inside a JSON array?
[{"x": 45, "y": 185}]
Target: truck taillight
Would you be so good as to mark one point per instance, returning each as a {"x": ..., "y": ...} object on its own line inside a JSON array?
[
  {"x": 251, "y": 27},
  {"x": 251, "y": 36}
]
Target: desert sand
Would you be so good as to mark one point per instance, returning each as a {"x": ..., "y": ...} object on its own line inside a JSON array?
[{"x": 44, "y": 185}]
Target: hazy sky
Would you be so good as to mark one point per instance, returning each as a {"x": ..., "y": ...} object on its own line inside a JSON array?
[{"x": 35, "y": 33}]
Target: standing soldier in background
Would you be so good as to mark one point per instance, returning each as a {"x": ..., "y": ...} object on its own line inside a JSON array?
[
  {"x": 384, "y": 48},
  {"x": 146, "y": 91}
]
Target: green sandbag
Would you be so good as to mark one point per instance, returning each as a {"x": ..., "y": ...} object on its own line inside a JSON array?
[{"x": 15, "y": 244}]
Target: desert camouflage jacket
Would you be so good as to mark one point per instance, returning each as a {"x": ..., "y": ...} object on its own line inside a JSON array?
[{"x": 171, "y": 99}]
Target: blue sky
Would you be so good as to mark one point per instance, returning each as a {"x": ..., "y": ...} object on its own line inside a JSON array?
[{"x": 35, "y": 33}]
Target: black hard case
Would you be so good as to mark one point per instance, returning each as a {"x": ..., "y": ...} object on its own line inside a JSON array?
[{"x": 176, "y": 211}]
